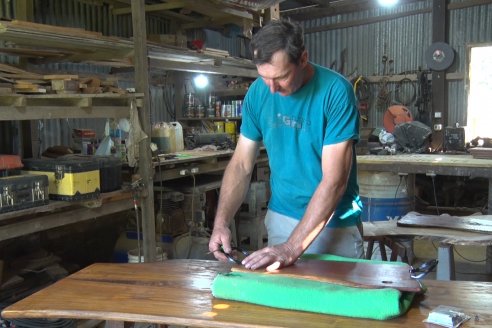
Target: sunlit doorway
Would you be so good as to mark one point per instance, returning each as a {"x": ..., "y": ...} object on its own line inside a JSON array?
[{"x": 479, "y": 82}]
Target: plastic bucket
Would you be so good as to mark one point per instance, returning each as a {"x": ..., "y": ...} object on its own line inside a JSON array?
[
  {"x": 133, "y": 256},
  {"x": 385, "y": 195},
  {"x": 161, "y": 136}
]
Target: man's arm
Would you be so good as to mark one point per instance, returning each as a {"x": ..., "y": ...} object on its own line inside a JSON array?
[
  {"x": 336, "y": 164},
  {"x": 235, "y": 183}
]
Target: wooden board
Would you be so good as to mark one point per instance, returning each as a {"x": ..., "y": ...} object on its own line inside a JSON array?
[
  {"x": 477, "y": 223},
  {"x": 481, "y": 152},
  {"x": 353, "y": 274}
]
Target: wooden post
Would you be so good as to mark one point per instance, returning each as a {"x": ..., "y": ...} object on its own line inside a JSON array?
[
  {"x": 145, "y": 156},
  {"x": 28, "y": 129},
  {"x": 272, "y": 13},
  {"x": 439, "y": 84}
]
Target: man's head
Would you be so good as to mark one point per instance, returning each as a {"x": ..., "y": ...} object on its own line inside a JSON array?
[{"x": 280, "y": 56}]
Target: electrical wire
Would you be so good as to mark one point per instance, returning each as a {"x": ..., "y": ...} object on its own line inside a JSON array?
[
  {"x": 192, "y": 216},
  {"x": 361, "y": 88},
  {"x": 460, "y": 255},
  {"x": 399, "y": 92},
  {"x": 435, "y": 193},
  {"x": 396, "y": 193},
  {"x": 467, "y": 259}
]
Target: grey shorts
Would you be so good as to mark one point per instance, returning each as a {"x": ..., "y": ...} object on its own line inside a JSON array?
[{"x": 346, "y": 241}]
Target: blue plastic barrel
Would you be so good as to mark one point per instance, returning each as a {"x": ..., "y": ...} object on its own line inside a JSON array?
[{"x": 385, "y": 195}]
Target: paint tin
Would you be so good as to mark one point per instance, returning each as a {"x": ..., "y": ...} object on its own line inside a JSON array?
[{"x": 219, "y": 126}]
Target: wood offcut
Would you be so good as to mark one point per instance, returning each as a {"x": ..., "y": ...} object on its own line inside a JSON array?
[{"x": 476, "y": 223}]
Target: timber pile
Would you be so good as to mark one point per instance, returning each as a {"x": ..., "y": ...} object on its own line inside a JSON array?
[
  {"x": 42, "y": 41},
  {"x": 216, "y": 52},
  {"x": 481, "y": 152},
  {"x": 15, "y": 80}
]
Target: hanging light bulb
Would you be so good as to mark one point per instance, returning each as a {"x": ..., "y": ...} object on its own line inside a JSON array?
[{"x": 200, "y": 81}]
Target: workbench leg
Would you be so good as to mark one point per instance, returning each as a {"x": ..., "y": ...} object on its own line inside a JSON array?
[
  {"x": 488, "y": 260},
  {"x": 370, "y": 248},
  {"x": 445, "y": 267},
  {"x": 382, "y": 249}
]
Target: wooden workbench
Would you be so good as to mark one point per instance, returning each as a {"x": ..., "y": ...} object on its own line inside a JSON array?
[
  {"x": 435, "y": 164},
  {"x": 438, "y": 164},
  {"x": 168, "y": 166},
  {"x": 177, "y": 292}
]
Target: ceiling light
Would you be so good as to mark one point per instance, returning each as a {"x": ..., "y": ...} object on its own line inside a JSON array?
[
  {"x": 387, "y": 3},
  {"x": 200, "y": 81}
]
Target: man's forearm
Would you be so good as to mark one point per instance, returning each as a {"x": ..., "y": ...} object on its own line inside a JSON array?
[
  {"x": 318, "y": 213},
  {"x": 232, "y": 192}
]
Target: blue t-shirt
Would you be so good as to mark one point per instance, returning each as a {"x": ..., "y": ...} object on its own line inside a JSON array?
[{"x": 294, "y": 130}]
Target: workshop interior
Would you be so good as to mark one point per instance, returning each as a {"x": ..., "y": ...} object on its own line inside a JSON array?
[{"x": 118, "y": 119}]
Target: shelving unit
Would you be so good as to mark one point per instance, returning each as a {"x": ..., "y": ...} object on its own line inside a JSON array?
[
  {"x": 53, "y": 106},
  {"x": 77, "y": 45},
  {"x": 199, "y": 119},
  {"x": 59, "y": 213}
]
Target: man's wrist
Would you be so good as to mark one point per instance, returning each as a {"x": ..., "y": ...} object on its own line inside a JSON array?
[{"x": 221, "y": 223}]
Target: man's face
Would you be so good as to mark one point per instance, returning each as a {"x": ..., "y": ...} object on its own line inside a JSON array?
[{"x": 282, "y": 76}]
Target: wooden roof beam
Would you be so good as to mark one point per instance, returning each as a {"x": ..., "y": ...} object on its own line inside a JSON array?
[
  {"x": 150, "y": 8},
  {"x": 212, "y": 10}
]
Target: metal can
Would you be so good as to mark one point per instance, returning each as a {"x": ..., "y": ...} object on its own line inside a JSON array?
[
  {"x": 219, "y": 126},
  {"x": 218, "y": 108},
  {"x": 200, "y": 111}
]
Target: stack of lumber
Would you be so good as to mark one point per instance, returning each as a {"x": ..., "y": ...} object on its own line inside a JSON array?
[
  {"x": 481, "y": 152},
  {"x": 216, "y": 52},
  {"x": 34, "y": 40},
  {"x": 15, "y": 80}
]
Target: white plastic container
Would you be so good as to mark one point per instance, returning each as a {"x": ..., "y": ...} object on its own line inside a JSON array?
[{"x": 178, "y": 136}]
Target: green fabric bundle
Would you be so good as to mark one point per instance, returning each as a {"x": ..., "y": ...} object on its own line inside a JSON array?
[{"x": 312, "y": 296}]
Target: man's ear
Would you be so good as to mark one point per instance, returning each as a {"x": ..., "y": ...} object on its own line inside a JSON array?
[{"x": 304, "y": 59}]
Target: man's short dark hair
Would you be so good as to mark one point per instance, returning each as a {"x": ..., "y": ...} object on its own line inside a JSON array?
[{"x": 274, "y": 36}]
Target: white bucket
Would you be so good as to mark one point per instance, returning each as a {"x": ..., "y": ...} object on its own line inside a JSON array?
[
  {"x": 163, "y": 136},
  {"x": 133, "y": 255}
]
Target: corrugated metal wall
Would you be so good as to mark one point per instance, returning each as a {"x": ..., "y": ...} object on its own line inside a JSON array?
[{"x": 403, "y": 39}]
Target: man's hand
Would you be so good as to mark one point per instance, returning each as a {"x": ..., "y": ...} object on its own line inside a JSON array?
[
  {"x": 272, "y": 258},
  {"x": 221, "y": 237}
]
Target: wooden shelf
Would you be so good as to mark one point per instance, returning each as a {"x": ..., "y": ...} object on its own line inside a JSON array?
[
  {"x": 230, "y": 92},
  {"x": 58, "y": 213},
  {"x": 52, "y": 106},
  {"x": 78, "y": 45},
  {"x": 197, "y": 119}
]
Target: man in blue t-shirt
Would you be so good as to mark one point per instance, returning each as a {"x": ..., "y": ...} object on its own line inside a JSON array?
[{"x": 307, "y": 119}]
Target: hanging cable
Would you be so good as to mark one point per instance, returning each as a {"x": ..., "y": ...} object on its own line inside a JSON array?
[
  {"x": 405, "y": 92},
  {"x": 433, "y": 176}
]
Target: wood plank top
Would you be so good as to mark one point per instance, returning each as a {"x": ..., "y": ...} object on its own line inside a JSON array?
[
  {"x": 178, "y": 292},
  {"x": 442, "y": 164},
  {"x": 476, "y": 223},
  {"x": 353, "y": 274},
  {"x": 432, "y": 159},
  {"x": 450, "y": 236}
]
